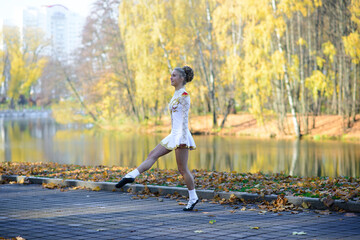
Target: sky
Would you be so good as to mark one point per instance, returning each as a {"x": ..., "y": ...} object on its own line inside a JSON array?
[{"x": 12, "y": 9}]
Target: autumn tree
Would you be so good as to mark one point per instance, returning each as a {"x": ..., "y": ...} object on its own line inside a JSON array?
[{"x": 24, "y": 59}]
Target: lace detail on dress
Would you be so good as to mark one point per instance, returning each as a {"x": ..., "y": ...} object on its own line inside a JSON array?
[{"x": 185, "y": 106}]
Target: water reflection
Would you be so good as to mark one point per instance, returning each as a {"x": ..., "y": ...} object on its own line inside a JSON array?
[{"x": 34, "y": 140}]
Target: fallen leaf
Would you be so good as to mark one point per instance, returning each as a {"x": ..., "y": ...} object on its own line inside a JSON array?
[
  {"x": 305, "y": 205},
  {"x": 50, "y": 185},
  {"x": 328, "y": 202},
  {"x": 181, "y": 203},
  {"x": 299, "y": 233},
  {"x": 325, "y": 212},
  {"x": 198, "y": 231},
  {"x": 262, "y": 212},
  {"x": 97, "y": 188},
  {"x": 255, "y": 228},
  {"x": 212, "y": 221}
]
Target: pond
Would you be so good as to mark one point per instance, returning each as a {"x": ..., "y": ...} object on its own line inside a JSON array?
[{"x": 42, "y": 140}]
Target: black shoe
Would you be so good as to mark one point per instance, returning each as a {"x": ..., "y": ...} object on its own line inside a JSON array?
[
  {"x": 124, "y": 181},
  {"x": 190, "y": 206}
]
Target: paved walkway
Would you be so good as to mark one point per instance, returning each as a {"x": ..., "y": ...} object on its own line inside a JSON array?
[{"x": 36, "y": 213}]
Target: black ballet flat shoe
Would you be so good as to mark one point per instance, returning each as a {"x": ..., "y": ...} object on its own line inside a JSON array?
[
  {"x": 124, "y": 181},
  {"x": 191, "y": 207}
]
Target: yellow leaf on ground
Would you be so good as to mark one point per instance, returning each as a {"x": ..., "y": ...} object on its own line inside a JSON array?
[
  {"x": 50, "y": 185},
  {"x": 96, "y": 189},
  {"x": 305, "y": 205},
  {"x": 212, "y": 221},
  {"x": 181, "y": 203},
  {"x": 255, "y": 228}
]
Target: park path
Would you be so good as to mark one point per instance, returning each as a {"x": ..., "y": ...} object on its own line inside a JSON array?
[{"x": 33, "y": 212}]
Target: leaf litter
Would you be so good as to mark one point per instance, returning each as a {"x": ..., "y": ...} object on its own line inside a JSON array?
[{"x": 326, "y": 188}]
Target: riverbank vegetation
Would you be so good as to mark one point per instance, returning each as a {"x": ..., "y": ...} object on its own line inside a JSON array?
[
  {"x": 287, "y": 59},
  {"x": 326, "y": 188}
]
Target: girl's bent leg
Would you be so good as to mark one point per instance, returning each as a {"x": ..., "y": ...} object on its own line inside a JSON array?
[
  {"x": 153, "y": 156},
  {"x": 182, "y": 156}
]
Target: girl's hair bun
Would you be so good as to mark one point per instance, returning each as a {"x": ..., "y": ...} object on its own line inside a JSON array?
[{"x": 189, "y": 73}]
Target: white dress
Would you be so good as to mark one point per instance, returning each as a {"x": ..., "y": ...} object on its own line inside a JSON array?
[{"x": 180, "y": 135}]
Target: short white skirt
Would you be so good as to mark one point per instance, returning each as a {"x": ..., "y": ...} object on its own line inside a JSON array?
[{"x": 172, "y": 141}]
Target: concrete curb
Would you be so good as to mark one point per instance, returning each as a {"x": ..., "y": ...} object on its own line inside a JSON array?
[{"x": 314, "y": 203}]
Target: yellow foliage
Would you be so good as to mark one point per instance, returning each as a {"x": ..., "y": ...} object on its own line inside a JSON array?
[
  {"x": 329, "y": 50},
  {"x": 17, "y": 72},
  {"x": 294, "y": 68},
  {"x": 302, "y": 42},
  {"x": 355, "y": 11},
  {"x": 278, "y": 61},
  {"x": 68, "y": 111},
  {"x": 318, "y": 83},
  {"x": 352, "y": 46},
  {"x": 320, "y": 62},
  {"x": 289, "y": 7},
  {"x": 26, "y": 64}
]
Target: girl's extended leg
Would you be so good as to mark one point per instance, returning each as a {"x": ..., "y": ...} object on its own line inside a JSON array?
[
  {"x": 182, "y": 156},
  {"x": 153, "y": 156}
]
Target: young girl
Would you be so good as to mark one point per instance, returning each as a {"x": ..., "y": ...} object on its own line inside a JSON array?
[{"x": 180, "y": 138}]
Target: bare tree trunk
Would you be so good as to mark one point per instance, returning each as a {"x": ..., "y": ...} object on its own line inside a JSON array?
[
  {"x": 208, "y": 72},
  {"x": 286, "y": 76},
  {"x": 228, "y": 109},
  {"x": 353, "y": 110},
  {"x": 302, "y": 79},
  {"x": 211, "y": 67}
]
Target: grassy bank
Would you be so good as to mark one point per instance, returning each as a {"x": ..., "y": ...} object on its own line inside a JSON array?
[{"x": 326, "y": 127}]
